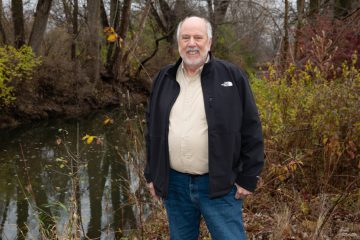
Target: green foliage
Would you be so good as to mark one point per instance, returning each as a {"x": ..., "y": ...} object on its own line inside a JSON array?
[
  {"x": 311, "y": 122},
  {"x": 16, "y": 66},
  {"x": 227, "y": 43}
]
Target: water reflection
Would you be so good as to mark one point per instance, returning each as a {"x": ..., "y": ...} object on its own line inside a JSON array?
[{"x": 51, "y": 181}]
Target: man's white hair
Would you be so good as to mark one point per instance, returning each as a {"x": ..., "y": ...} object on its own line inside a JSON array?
[{"x": 208, "y": 26}]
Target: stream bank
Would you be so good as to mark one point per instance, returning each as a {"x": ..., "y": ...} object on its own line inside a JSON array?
[{"x": 53, "y": 97}]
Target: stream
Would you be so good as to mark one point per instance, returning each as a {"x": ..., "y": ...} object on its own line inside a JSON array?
[{"x": 88, "y": 169}]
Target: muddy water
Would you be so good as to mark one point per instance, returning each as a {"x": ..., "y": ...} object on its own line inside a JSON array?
[{"x": 46, "y": 169}]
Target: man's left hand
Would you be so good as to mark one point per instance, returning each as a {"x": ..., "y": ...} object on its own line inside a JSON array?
[{"x": 241, "y": 193}]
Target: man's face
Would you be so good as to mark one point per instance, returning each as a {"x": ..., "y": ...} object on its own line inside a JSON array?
[{"x": 193, "y": 42}]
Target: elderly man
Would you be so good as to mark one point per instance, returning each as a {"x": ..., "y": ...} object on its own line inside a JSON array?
[{"x": 204, "y": 139}]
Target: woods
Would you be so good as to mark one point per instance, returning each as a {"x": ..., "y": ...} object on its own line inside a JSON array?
[
  {"x": 247, "y": 32},
  {"x": 67, "y": 58}
]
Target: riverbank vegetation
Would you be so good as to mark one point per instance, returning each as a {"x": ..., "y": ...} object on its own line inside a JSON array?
[
  {"x": 93, "y": 53},
  {"x": 302, "y": 58},
  {"x": 311, "y": 128}
]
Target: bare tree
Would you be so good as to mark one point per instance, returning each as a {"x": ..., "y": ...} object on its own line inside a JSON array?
[
  {"x": 314, "y": 7},
  {"x": 251, "y": 28},
  {"x": 114, "y": 23},
  {"x": 93, "y": 44},
  {"x": 18, "y": 22},
  {"x": 74, "y": 29},
  {"x": 342, "y": 8},
  {"x": 39, "y": 25},
  {"x": 285, "y": 46},
  {"x": 3, "y": 37},
  {"x": 67, "y": 10},
  {"x": 103, "y": 15},
  {"x": 168, "y": 16},
  {"x": 143, "y": 16},
  {"x": 124, "y": 25},
  {"x": 217, "y": 11},
  {"x": 300, "y": 18}
]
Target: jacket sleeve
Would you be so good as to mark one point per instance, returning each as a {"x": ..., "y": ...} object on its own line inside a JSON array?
[
  {"x": 148, "y": 112},
  {"x": 252, "y": 145}
]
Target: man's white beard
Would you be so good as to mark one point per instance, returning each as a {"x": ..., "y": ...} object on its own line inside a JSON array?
[{"x": 195, "y": 62}]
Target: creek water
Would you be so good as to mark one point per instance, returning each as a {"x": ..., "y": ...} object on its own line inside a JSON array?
[{"x": 47, "y": 168}]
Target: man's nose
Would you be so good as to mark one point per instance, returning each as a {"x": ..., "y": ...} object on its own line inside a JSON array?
[{"x": 192, "y": 42}]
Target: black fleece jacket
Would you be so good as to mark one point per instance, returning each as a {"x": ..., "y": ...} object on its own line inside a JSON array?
[{"x": 236, "y": 152}]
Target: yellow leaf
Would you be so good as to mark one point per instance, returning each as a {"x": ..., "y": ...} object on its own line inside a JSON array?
[
  {"x": 85, "y": 137},
  {"x": 112, "y": 37},
  {"x": 108, "y": 121},
  {"x": 90, "y": 139},
  {"x": 281, "y": 178}
]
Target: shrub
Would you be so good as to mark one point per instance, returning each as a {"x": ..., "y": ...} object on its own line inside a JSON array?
[
  {"x": 311, "y": 123},
  {"x": 16, "y": 67},
  {"x": 326, "y": 41}
]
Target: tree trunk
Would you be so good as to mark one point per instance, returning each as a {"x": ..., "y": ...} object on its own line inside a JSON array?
[
  {"x": 220, "y": 8},
  {"x": 3, "y": 38},
  {"x": 18, "y": 21},
  {"x": 285, "y": 49},
  {"x": 217, "y": 12},
  {"x": 135, "y": 40},
  {"x": 114, "y": 22},
  {"x": 342, "y": 8},
  {"x": 75, "y": 29},
  {"x": 211, "y": 11},
  {"x": 114, "y": 13},
  {"x": 158, "y": 20},
  {"x": 314, "y": 7},
  {"x": 170, "y": 17},
  {"x": 104, "y": 19},
  {"x": 40, "y": 22},
  {"x": 93, "y": 44},
  {"x": 300, "y": 14},
  {"x": 124, "y": 25},
  {"x": 67, "y": 11},
  {"x": 181, "y": 11}
]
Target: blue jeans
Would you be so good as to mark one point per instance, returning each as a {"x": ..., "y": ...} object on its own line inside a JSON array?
[{"x": 188, "y": 199}]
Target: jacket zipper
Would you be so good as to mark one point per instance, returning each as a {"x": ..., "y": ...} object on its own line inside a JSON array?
[{"x": 210, "y": 102}]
